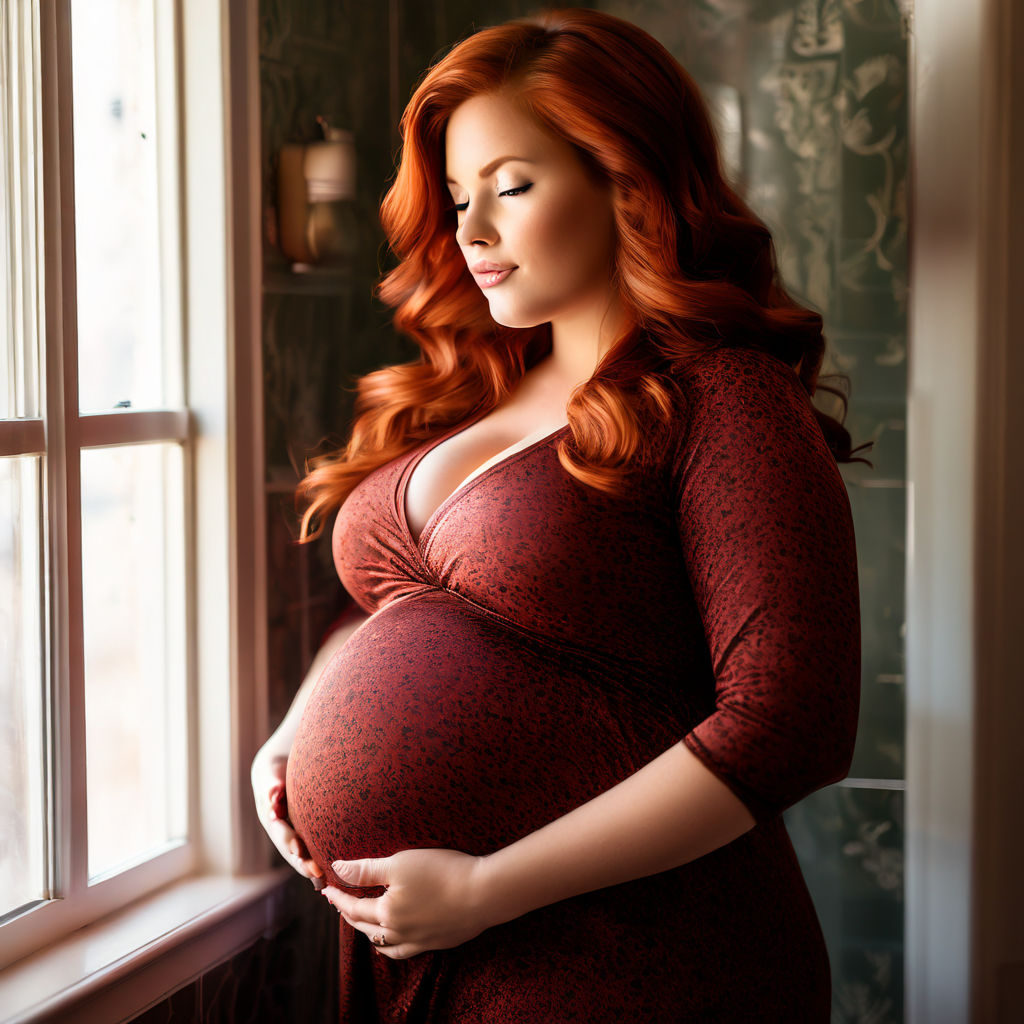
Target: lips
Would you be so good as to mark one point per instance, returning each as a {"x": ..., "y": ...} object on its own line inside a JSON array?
[{"x": 487, "y": 274}]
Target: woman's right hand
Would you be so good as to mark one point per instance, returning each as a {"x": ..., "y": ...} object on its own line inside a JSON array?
[{"x": 268, "y": 786}]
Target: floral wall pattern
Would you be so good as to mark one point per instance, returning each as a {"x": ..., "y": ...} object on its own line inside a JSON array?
[{"x": 811, "y": 101}]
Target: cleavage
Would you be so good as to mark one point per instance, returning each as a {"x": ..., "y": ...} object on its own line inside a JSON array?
[{"x": 448, "y": 466}]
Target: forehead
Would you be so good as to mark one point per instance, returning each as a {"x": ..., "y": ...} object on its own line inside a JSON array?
[{"x": 493, "y": 125}]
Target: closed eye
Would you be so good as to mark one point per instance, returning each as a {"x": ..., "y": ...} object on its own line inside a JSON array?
[{"x": 518, "y": 191}]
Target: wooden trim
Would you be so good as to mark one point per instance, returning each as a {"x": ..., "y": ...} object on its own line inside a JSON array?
[
  {"x": 123, "y": 965},
  {"x": 213, "y": 397},
  {"x": 946, "y": 58},
  {"x": 997, "y": 960},
  {"x": 100, "y": 430},
  {"x": 22, "y": 437},
  {"x": 247, "y": 538},
  {"x": 68, "y": 875}
]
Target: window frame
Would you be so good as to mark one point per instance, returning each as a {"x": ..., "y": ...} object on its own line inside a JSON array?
[
  {"x": 214, "y": 168},
  {"x": 60, "y": 434}
]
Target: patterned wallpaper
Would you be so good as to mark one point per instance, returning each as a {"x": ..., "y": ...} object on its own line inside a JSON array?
[
  {"x": 819, "y": 91},
  {"x": 811, "y": 100}
]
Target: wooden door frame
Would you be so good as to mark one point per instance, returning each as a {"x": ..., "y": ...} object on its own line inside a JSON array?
[{"x": 965, "y": 627}]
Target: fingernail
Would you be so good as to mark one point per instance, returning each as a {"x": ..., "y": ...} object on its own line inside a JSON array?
[
  {"x": 339, "y": 867},
  {"x": 319, "y": 882}
]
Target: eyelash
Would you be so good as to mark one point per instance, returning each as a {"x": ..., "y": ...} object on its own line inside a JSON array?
[{"x": 519, "y": 190}]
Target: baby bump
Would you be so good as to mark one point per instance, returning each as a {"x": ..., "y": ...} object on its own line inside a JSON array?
[{"x": 438, "y": 726}]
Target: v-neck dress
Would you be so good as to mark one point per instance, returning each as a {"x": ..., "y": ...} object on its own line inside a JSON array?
[{"x": 543, "y": 640}]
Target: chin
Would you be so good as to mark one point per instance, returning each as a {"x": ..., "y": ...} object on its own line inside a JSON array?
[{"x": 516, "y": 318}]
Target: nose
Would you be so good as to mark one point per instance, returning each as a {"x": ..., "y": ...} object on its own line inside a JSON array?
[{"x": 476, "y": 226}]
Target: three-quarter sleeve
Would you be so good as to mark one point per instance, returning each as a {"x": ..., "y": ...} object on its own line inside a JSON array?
[{"x": 767, "y": 538}]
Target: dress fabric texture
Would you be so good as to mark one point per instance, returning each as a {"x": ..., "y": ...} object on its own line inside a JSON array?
[{"x": 543, "y": 640}]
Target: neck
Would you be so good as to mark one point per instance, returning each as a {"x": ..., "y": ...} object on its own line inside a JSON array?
[{"x": 580, "y": 340}]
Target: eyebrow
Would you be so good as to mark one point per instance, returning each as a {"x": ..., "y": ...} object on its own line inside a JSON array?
[{"x": 494, "y": 165}]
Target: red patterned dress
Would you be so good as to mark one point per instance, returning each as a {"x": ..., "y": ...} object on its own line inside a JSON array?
[{"x": 540, "y": 642}]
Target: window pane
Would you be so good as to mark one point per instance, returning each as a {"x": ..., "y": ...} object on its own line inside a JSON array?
[
  {"x": 117, "y": 223},
  {"x": 133, "y": 601},
  {"x": 22, "y": 772},
  {"x": 20, "y": 212}
]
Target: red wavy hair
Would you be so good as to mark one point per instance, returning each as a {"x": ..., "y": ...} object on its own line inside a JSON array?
[{"x": 695, "y": 268}]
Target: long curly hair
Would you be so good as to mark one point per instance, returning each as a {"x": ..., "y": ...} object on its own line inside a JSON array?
[{"x": 694, "y": 266}]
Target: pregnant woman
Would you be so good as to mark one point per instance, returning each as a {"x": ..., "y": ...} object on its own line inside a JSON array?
[{"x": 607, "y": 564}]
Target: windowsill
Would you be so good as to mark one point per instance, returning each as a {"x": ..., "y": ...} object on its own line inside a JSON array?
[{"x": 119, "y": 966}]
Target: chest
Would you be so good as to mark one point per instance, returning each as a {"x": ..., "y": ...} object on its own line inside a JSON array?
[
  {"x": 462, "y": 456},
  {"x": 529, "y": 544}
]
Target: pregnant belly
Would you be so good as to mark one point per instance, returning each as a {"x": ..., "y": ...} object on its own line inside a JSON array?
[{"x": 438, "y": 726}]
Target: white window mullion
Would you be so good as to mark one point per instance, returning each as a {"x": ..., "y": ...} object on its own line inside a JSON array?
[
  {"x": 22, "y": 437},
  {"x": 42, "y": 739},
  {"x": 67, "y": 684},
  {"x": 100, "y": 430},
  {"x": 167, "y": 43}
]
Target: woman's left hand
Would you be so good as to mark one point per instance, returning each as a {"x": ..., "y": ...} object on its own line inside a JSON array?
[{"x": 435, "y": 899}]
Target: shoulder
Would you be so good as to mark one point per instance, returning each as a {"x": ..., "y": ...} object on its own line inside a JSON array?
[
  {"x": 741, "y": 406},
  {"x": 738, "y": 375}
]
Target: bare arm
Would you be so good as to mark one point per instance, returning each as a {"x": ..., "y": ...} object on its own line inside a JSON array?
[{"x": 670, "y": 812}]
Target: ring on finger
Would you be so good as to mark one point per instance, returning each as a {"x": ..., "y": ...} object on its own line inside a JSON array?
[{"x": 379, "y": 939}]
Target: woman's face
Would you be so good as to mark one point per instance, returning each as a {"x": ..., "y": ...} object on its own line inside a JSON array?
[{"x": 536, "y": 229}]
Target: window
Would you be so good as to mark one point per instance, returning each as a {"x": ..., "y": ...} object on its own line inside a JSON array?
[
  {"x": 95, "y": 463},
  {"x": 195, "y": 503}
]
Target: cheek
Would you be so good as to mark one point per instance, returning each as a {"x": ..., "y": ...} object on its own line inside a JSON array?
[{"x": 574, "y": 240}]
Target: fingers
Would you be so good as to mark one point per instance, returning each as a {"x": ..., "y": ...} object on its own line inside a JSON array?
[
  {"x": 363, "y": 913},
  {"x": 361, "y": 909},
  {"x": 272, "y": 806},
  {"x": 294, "y": 851},
  {"x": 296, "y": 846},
  {"x": 310, "y": 869},
  {"x": 384, "y": 941}
]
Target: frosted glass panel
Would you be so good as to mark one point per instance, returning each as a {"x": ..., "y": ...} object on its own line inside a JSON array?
[
  {"x": 20, "y": 212},
  {"x": 22, "y": 775},
  {"x": 120, "y": 348},
  {"x": 133, "y": 600}
]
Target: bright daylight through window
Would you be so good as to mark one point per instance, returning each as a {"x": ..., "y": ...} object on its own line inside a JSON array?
[{"x": 94, "y": 458}]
